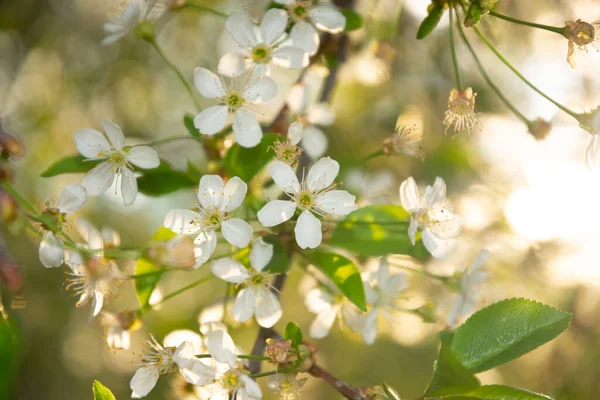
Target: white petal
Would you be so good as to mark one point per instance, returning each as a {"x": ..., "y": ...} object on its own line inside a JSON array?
[
  {"x": 91, "y": 143},
  {"x": 261, "y": 254},
  {"x": 337, "y": 202},
  {"x": 243, "y": 308},
  {"x": 182, "y": 221},
  {"x": 305, "y": 36},
  {"x": 143, "y": 381},
  {"x": 290, "y": 57},
  {"x": 327, "y": 19},
  {"x": 596, "y": 121},
  {"x": 260, "y": 90},
  {"x": 314, "y": 142},
  {"x": 480, "y": 260},
  {"x": 295, "y": 132},
  {"x": 322, "y": 174},
  {"x": 233, "y": 64},
  {"x": 237, "y": 232},
  {"x": 99, "y": 179},
  {"x": 285, "y": 2},
  {"x": 114, "y": 134},
  {"x": 273, "y": 25},
  {"x": 143, "y": 157},
  {"x": 210, "y": 191},
  {"x": 353, "y": 317},
  {"x": 320, "y": 114},
  {"x": 72, "y": 198},
  {"x": 221, "y": 347},
  {"x": 212, "y": 120},
  {"x": 409, "y": 195},
  {"x": 298, "y": 98},
  {"x": 234, "y": 193},
  {"x": 246, "y": 128},
  {"x": 199, "y": 372},
  {"x": 51, "y": 251},
  {"x": 229, "y": 270},
  {"x": 267, "y": 310},
  {"x": 412, "y": 230},
  {"x": 75, "y": 261},
  {"x": 208, "y": 84},
  {"x": 284, "y": 177},
  {"x": 369, "y": 330},
  {"x": 184, "y": 354},
  {"x": 395, "y": 285},
  {"x": 204, "y": 246},
  {"x": 308, "y": 231},
  {"x": 317, "y": 301},
  {"x": 129, "y": 188},
  {"x": 434, "y": 194},
  {"x": 445, "y": 225},
  {"x": 322, "y": 324},
  {"x": 438, "y": 247},
  {"x": 177, "y": 337},
  {"x": 97, "y": 303},
  {"x": 243, "y": 31},
  {"x": 275, "y": 212},
  {"x": 251, "y": 389}
]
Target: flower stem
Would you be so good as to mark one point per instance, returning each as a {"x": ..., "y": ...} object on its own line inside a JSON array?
[
  {"x": 440, "y": 278},
  {"x": 375, "y": 154},
  {"x": 205, "y": 9},
  {"x": 459, "y": 84},
  {"x": 172, "y": 139},
  {"x": 253, "y": 357},
  {"x": 23, "y": 202},
  {"x": 179, "y": 291},
  {"x": 555, "y": 29},
  {"x": 268, "y": 373},
  {"x": 185, "y": 83},
  {"x": 513, "y": 69},
  {"x": 486, "y": 77}
]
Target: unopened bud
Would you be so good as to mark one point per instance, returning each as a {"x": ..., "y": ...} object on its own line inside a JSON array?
[
  {"x": 279, "y": 351},
  {"x": 11, "y": 145},
  {"x": 6, "y": 173},
  {"x": 146, "y": 30},
  {"x": 11, "y": 274},
  {"x": 8, "y": 207},
  {"x": 540, "y": 128}
]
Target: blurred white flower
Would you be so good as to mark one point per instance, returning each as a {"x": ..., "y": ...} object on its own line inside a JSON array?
[
  {"x": 315, "y": 195},
  {"x": 216, "y": 202},
  {"x": 130, "y": 15},
  {"x": 581, "y": 34},
  {"x": 235, "y": 103},
  {"x": 307, "y": 16},
  {"x": 93, "y": 145},
  {"x": 288, "y": 151},
  {"x": 330, "y": 304},
  {"x": 408, "y": 141},
  {"x": 260, "y": 47},
  {"x": 432, "y": 214},
  {"x": 370, "y": 187},
  {"x": 256, "y": 298},
  {"x": 461, "y": 115},
  {"x": 470, "y": 285},
  {"x": 287, "y": 386},
  {"x": 593, "y": 150},
  {"x": 117, "y": 337}
]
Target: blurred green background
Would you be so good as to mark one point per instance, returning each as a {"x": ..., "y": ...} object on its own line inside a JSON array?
[{"x": 533, "y": 204}]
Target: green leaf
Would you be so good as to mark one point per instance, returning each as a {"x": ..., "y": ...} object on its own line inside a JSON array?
[
  {"x": 71, "y": 164},
  {"x": 449, "y": 375},
  {"x": 506, "y": 330},
  {"x": 344, "y": 274},
  {"x": 293, "y": 332},
  {"x": 390, "y": 392},
  {"x": 376, "y": 230},
  {"x": 280, "y": 262},
  {"x": 247, "y": 162},
  {"x": 499, "y": 392},
  {"x": 431, "y": 20},
  {"x": 354, "y": 20},
  {"x": 163, "y": 180},
  {"x": 145, "y": 285},
  {"x": 188, "y": 121},
  {"x": 101, "y": 392}
]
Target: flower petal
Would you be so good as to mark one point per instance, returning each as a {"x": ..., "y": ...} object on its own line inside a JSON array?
[
  {"x": 246, "y": 128},
  {"x": 233, "y": 193},
  {"x": 72, "y": 198},
  {"x": 284, "y": 177},
  {"x": 208, "y": 84},
  {"x": 295, "y": 132},
  {"x": 143, "y": 381},
  {"x": 182, "y": 221},
  {"x": 322, "y": 324},
  {"x": 243, "y": 31},
  {"x": 143, "y": 157},
  {"x": 308, "y": 231},
  {"x": 314, "y": 142},
  {"x": 273, "y": 25},
  {"x": 251, "y": 389},
  {"x": 327, "y": 19},
  {"x": 305, "y": 36},
  {"x": 229, "y": 270},
  {"x": 243, "y": 308},
  {"x": 114, "y": 134},
  {"x": 221, "y": 346},
  {"x": 260, "y": 90},
  {"x": 298, "y": 98},
  {"x": 204, "y": 246},
  {"x": 438, "y": 247},
  {"x": 179, "y": 336},
  {"x": 337, "y": 202},
  {"x": 434, "y": 194},
  {"x": 99, "y": 179},
  {"x": 233, "y": 64},
  {"x": 91, "y": 143},
  {"x": 369, "y": 329},
  {"x": 409, "y": 195},
  {"x": 320, "y": 114},
  {"x": 317, "y": 301},
  {"x": 290, "y": 57},
  {"x": 129, "y": 188},
  {"x": 212, "y": 120},
  {"x": 97, "y": 303},
  {"x": 237, "y": 232},
  {"x": 261, "y": 254},
  {"x": 51, "y": 251},
  {"x": 210, "y": 191},
  {"x": 276, "y": 212},
  {"x": 267, "y": 310},
  {"x": 322, "y": 174}
]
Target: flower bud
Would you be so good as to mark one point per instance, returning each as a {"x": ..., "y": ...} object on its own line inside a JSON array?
[
  {"x": 11, "y": 146},
  {"x": 540, "y": 128},
  {"x": 279, "y": 351},
  {"x": 406, "y": 141},
  {"x": 146, "y": 30},
  {"x": 11, "y": 274},
  {"x": 8, "y": 207}
]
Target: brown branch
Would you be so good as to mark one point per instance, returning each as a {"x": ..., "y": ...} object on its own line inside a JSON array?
[{"x": 348, "y": 391}]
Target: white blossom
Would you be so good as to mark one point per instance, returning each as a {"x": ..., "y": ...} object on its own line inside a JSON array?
[
  {"x": 287, "y": 386},
  {"x": 592, "y": 152},
  {"x": 256, "y": 298},
  {"x": 216, "y": 202},
  {"x": 431, "y": 213},
  {"x": 329, "y": 304},
  {"x": 470, "y": 286},
  {"x": 129, "y": 16},
  {"x": 235, "y": 103},
  {"x": 307, "y": 16},
  {"x": 315, "y": 195},
  {"x": 119, "y": 159},
  {"x": 260, "y": 47}
]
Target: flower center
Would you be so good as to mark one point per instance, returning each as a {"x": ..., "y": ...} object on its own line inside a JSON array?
[
  {"x": 234, "y": 101},
  {"x": 305, "y": 199},
  {"x": 258, "y": 279},
  {"x": 299, "y": 10},
  {"x": 261, "y": 53},
  {"x": 212, "y": 217},
  {"x": 583, "y": 33},
  {"x": 286, "y": 152},
  {"x": 231, "y": 380}
]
